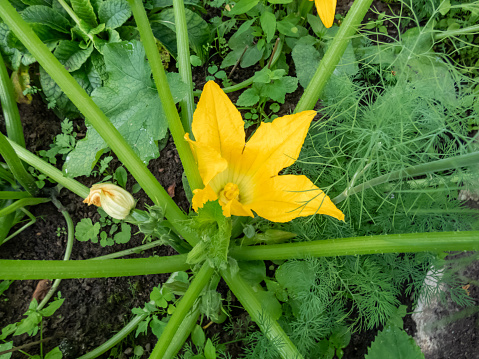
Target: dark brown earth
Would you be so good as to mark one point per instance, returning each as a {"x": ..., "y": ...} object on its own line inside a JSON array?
[{"x": 95, "y": 309}]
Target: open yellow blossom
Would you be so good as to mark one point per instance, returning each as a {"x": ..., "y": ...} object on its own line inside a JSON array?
[
  {"x": 244, "y": 176},
  {"x": 326, "y": 10},
  {"x": 114, "y": 200}
]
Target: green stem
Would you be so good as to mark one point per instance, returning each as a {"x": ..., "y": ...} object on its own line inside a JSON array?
[
  {"x": 8, "y": 220},
  {"x": 70, "y": 12},
  {"x": 13, "y": 194},
  {"x": 97, "y": 118},
  {"x": 184, "y": 67},
  {"x": 7, "y": 176},
  {"x": 333, "y": 55},
  {"x": 199, "y": 282},
  {"x": 31, "y": 201},
  {"x": 469, "y": 159},
  {"x": 457, "y": 32},
  {"x": 174, "y": 122},
  {"x": 184, "y": 330},
  {"x": 9, "y": 107},
  {"x": 116, "y": 339},
  {"x": 394, "y": 243},
  {"x": 52, "y": 172},
  {"x": 16, "y": 166},
  {"x": 134, "y": 250},
  {"x": 39, "y": 269},
  {"x": 68, "y": 250},
  {"x": 260, "y": 315}
]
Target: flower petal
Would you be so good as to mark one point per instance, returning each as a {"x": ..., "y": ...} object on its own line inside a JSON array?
[
  {"x": 273, "y": 147},
  {"x": 326, "y": 10},
  {"x": 209, "y": 161},
  {"x": 201, "y": 196},
  {"x": 217, "y": 123},
  {"x": 237, "y": 209},
  {"x": 283, "y": 198}
]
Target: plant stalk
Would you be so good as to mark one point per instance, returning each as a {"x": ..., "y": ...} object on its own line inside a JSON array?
[
  {"x": 260, "y": 315},
  {"x": 68, "y": 250},
  {"x": 16, "y": 166},
  {"x": 9, "y": 107},
  {"x": 333, "y": 55},
  {"x": 52, "y": 172},
  {"x": 457, "y": 32},
  {"x": 174, "y": 122},
  {"x": 184, "y": 67},
  {"x": 31, "y": 201},
  {"x": 418, "y": 170},
  {"x": 39, "y": 269},
  {"x": 116, "y": 339},
  {"x": 394, "y": 243},
  {"x": 199, "y": 282}
]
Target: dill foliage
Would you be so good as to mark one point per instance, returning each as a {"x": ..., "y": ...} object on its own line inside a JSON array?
[{"x": 405, "y": 106}]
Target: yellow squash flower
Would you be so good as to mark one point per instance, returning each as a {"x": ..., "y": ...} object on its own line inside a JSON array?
[
  {"x": 326, "y": 10},
  {"x": 244, "y": 176},
  {"x": 114, "y": 200}
]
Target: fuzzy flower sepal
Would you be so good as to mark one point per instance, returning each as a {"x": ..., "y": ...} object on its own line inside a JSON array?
[{"x": 242, "y": 175}]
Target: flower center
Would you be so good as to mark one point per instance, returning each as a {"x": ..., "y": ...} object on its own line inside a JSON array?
[{"x": 229, "y": 193}]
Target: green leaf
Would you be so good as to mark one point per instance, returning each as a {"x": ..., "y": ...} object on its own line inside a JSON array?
[
  {"x": 38, "y": 2},
  {"x": 295, "y": 276},
  {"x": 157, "y": 326},
  {"x": 243, "y": 6},
  {"x": 253, "y": 272},
  {"x": 85, "y": 230},
  {"x": 316, "y": 25},
  {"x": 270, "y": 304},
  {"x": 4, "y": 347},
  {"x": 4, "y": 285},
  {"x": 29, "y": 323},
  {"x": 394, "y": 343},
  {"x": 158, "y": 298},
  {"x": 306, "y": 59},
  {"x": 210, "y": 350},
  {"x": 248, "y": 98},
  {"x": 114, "y": 13},
  {"x": 54, "y": 354},
  {"x": 444, "y": 7},
  {"x": 251, "y": 56},
  {"x": 287, "y": 28},
  {"x": 198, "y": 336},
  {"x": 142, "y": 327},
  {"x": 280, "y": 1},
  {"x": 268, "y": 23},
  {"x": 52, "y": 307},
  {"x": 71, "y": 55},
  {"x": 45, "y": 15},
  {"x": 121, "y": 176},
  {"x": 341, "y": 336},
  {"x": 123, "y": 236},
  {"x": 278, "y": 89},
  {"x": 198, "y": 30},
  {"x": 63, "y": 106},
  {"x": 130, "y": 100},
  {"x": 84, "y": 11}
]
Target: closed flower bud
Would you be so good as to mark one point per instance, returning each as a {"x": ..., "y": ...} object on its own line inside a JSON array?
[{"x": 114, "y": 200}]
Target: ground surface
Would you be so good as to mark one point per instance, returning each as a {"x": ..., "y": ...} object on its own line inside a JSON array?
[{"x": 96, "y": 308}]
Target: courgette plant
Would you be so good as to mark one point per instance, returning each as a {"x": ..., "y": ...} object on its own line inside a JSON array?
[{"x": 212, "y": 234}]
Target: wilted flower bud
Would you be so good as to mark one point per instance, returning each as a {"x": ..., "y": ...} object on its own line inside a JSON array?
[{"x": 114, "y": 200}]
